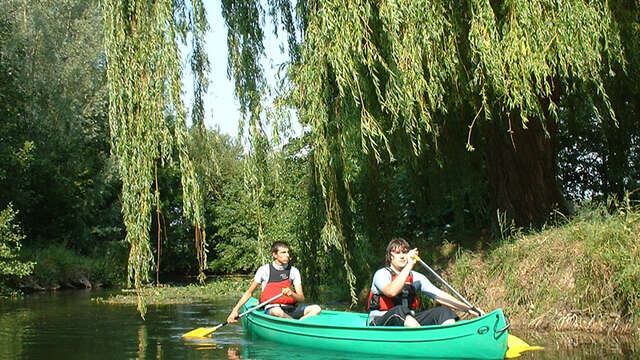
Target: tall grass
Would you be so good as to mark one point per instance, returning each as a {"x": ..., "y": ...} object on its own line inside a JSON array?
[{"x": 583, "y": 274}]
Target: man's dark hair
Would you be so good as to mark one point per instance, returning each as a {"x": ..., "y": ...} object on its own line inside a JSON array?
[
  {"x": 395, "y": 245},
  {"x": 279, "y": 244}
]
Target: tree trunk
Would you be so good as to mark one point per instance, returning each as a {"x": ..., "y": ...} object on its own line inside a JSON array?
[{"x": 522, "y": 171}]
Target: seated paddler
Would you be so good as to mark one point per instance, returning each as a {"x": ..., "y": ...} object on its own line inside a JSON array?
[
  {"x": 278, "y": 277},
  {"x": 393, "y": 298}
]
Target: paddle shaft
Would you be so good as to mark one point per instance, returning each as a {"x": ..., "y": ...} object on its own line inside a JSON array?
[
  {"x": 258, "y": 306},
  {"x": 250, "y": 310},
  {"x": 445, "y": 283}
]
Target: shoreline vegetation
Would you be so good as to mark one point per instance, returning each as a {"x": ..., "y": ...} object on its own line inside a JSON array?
[
  {"x": 583, "y": 275},
  {"x": 218, "y": 286}
]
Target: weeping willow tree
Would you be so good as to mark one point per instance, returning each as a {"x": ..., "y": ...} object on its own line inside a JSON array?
[
  {"x": 376, "y": 82},
  {"x": 409, "y": 67},
  {"x": 390, "y": 80},
  {"x": 147, "y": 116}
]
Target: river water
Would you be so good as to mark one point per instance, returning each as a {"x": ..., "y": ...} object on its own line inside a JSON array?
[{"x": 68, "y": 325}]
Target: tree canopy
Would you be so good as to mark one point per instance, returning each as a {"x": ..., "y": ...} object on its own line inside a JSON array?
[{"x": 439, "y": 122}]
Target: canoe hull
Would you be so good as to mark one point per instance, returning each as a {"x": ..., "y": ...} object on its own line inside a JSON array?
[{"x": 480, "y": 338}]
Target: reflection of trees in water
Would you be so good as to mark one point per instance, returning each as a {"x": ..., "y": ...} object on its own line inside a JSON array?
[
  {"x": 14, "y": 332},
  {"x": 583, "y": 345},
  {"x": 142, "y": 341},
  {"x": 263, "y": 349}
]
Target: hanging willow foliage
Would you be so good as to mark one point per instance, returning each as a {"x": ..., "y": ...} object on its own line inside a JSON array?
[
  {"x": 244, "y": 20},
  {"x": 403, "y": 65},
  {"x": 193, "y": 156},
  {"x": 518, "y": 48},
  {"x": 245, "y": 43},
  {"x": 143, "y": 69}
]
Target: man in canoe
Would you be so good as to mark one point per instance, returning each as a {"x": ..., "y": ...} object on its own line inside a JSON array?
[
  {"x": 275, "y": 278},
  {"x": 393, "y": 298}
]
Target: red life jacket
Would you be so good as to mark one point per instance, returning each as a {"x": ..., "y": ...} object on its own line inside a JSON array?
[
  {"x": 278, "y": 280},
  {"x": 406, "y": 297}
]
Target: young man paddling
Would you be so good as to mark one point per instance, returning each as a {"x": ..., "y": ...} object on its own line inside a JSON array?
[
  {"x": 275, "y": 278},
  {"x": 393, "y": 298}
]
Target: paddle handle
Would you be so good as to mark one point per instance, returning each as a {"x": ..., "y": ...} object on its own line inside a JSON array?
[{"x": 445, "y": 283}]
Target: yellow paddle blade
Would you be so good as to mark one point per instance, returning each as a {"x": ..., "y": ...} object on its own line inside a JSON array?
[
  {"x": 517, "y": 346},
  {"x": 199, "y": 333}
]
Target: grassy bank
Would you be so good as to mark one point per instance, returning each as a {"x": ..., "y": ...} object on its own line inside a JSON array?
[
  {"x": 583, "y": 274},
  {"x": 215, "y": 287}
]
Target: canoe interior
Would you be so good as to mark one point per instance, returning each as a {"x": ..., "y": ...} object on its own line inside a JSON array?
[{"x": 479, "y": 338}]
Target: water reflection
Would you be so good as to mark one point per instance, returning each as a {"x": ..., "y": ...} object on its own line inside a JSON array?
[
  {"x": 142, "y": 342},
  {"x": 580, "y": 345},
  {"x": 67, "y": 325},
  {"x": 11, "y": 338},
  {"x": 258, "y": 349},
  {"x": 558, "y": 346}
]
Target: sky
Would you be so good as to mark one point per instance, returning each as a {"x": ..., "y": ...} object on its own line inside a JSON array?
[{"x": 221, "y": 107}]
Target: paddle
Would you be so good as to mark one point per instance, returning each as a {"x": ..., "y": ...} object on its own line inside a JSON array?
[
  {"x": 204, "y": 332},
  {"x": 515, "y": 345},
  {"x": 446, "y": 284}
]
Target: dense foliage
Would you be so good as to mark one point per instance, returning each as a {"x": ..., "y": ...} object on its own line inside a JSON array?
[
  {"x": 10, "y": 243},
  {"x": 54, "y": 152}
]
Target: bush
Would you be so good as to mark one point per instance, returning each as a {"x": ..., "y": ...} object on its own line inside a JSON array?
[
  {"x": 58, "y": 266},
  {"x": 11, "y": 268}
]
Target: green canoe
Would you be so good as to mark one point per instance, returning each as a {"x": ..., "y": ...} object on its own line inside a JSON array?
[{"x": 480, "y": 338}]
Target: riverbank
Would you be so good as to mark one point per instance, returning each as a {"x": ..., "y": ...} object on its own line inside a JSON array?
[
  {"x": 581, "y": 275},
  {"x": 56, "y": 267},
  {"x": 220, "y": 286}
]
